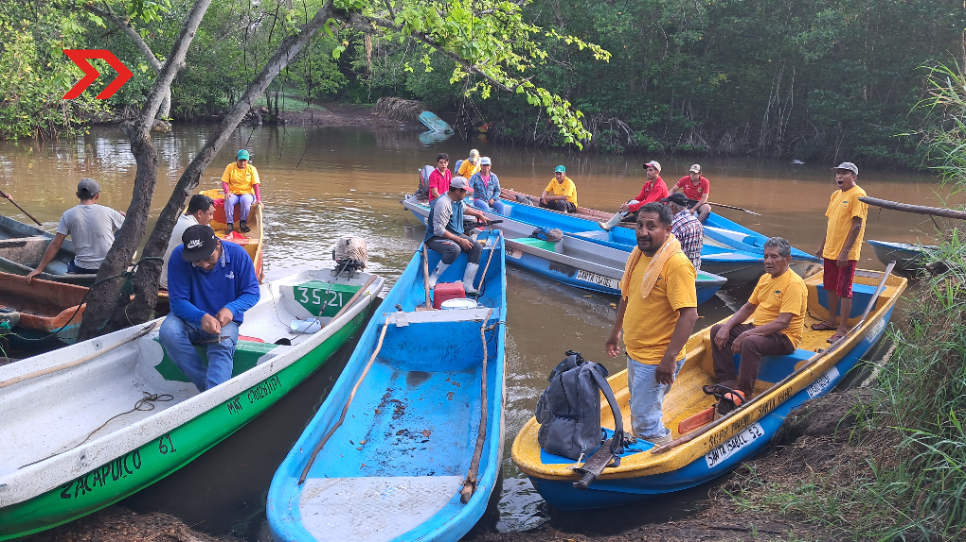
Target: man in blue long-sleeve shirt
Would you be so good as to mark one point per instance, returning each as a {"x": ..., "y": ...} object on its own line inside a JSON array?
[{"x": 211, "y": 284}]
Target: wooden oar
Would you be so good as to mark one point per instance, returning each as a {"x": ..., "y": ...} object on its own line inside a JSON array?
[
  {"x": 733, "y": 207},
  {"x": 359, "y": 292},
  {"x": 469, "y": 486},
  {"x": 8, "y": 198},
  {"x": 76, "y": 362},
  {"x": 807, "y": 365},
  {"x": 429, "y": 304}
]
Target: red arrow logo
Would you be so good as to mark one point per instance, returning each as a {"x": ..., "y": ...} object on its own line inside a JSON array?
[{"x": 80, "y": 56}]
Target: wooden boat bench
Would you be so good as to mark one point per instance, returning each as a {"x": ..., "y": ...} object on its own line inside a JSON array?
[
  {"x": 861, "y": 295},
  {"x": 776, "y": 368},
  {"x": 248, "y": 354}
]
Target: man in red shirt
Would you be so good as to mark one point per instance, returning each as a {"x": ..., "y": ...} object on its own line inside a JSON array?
[
  {"x": 696, "y": 187},
  {"x": 653, "y": 190},
  {"x": 440, "y": 178}
]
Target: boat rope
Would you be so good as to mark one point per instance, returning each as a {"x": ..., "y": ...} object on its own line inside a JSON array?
[
  {"x": 482, "y": 288},
  {"x": 345, "y": 409},
  {"x": 470, "y": 484},
  {"x": 144, "y": 404}
]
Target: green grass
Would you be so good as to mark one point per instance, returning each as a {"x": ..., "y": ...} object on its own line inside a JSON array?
[{"x": 288, "y": 104}]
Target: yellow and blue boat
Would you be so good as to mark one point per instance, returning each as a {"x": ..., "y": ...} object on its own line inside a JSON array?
[{"x": 784, "y": 383}]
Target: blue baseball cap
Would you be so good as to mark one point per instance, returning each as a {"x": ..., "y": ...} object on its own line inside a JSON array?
[
  {"x": 242, "y": 155},
  {"x": 560, "y": 169}
]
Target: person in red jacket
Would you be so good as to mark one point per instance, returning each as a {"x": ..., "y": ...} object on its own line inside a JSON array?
[
  {"x": 655, "y": 189},
  {"x": 697, "y": 188}
]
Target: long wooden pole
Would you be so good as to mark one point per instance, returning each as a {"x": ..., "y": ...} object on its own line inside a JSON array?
[
  {"x": 429, "y": 303},
  {"x": 918, "y": 209},
  {"x": 359, "y": 292},
  {"x": 807, "y": 365},
  {"x": 733, "y": 207},
  {"x": 469, "y": 486},
  {"x": 8, "y": 198},
  {"x": 76, "y": 362}
]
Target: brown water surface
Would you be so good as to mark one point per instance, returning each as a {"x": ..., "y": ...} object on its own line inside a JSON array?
[{"x": 321, "y": 183}]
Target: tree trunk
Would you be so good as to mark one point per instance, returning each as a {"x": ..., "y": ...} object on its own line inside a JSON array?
[{"x": 148, "y": 274}]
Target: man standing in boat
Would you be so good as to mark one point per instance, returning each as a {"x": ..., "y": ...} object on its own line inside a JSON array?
[
  {"x": 90, "y": 226},
  {"x": 210, "y": 284},
  {"x": 658, "y": 309},
  {"x": 655, "y": 189},
  {"x": 841, "y": 247},
  {"x": 440, "y": 178},
  {"x": 201, "y": 209},
  {"x": 697, "y": 188},
  {"x": 561, "y": 193},
  {"x": 444, "y": 233},
  {"x": 778, "y": 306},
  {"x": 687, "y": 229},
  {"x": 240, "y": 185}
]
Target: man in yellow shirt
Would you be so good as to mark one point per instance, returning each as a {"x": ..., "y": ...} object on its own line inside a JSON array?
[
  {"x": 778, "y": 304},
  {"x": 657, "y": 311},
  {"x": 841, "y": 247},
  {"x": 240, "y": 184},
  {"x": 561, "y": 193}
]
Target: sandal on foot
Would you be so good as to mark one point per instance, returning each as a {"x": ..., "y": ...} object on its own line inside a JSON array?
[
  {"x": 834, "y": 338},
  {"x": 822, "y": 326}
]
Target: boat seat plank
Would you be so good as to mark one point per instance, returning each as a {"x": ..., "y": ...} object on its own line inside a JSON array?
[
  {"x": 248, "y": 354},
  {"x": 861, "y": 294},
  {"x": 775, "y": 368},
  {"x": 373, "y": 508},
  {"x": 438, "y": 316}
]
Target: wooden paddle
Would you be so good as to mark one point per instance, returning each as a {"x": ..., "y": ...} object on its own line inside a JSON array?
[
  {"x": 8, "y": 198},
  {"x": 429, "y": 304},
  {"x": 806, "y": 366},
  {"x": 359, "y": 292},
  {"x": 742, "y": 209}
]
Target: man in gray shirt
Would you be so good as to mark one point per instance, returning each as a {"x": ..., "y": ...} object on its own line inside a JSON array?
[{"x": 90, "y": 226}]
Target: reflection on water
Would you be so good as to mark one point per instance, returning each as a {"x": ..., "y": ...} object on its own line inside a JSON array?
[{"x": 320, "y": 184}]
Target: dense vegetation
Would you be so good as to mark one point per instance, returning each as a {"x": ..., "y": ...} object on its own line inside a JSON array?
[{"x": 808, "y": 79}]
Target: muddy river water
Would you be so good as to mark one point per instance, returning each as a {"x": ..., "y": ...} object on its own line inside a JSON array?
[{"x": 322, "y": 183}]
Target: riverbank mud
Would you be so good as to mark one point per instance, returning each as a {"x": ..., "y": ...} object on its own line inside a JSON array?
[{"x": 118, "y": 524}]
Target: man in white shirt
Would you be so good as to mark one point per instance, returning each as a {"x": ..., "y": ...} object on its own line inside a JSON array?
[{"x": 201, "y": 209}]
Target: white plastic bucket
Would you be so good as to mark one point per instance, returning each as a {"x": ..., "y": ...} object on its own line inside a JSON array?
[
  {"x": 460, "y": 303},
  {"x": 305, "y": 326}
]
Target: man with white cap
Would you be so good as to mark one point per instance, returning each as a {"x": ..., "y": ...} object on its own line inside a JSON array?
[
  {"x": 486, "y": 188},
  {"x": 841, "y": 247},
  {"x": 655, "y": 189},
  {"x": 444, "y": 233},
  {"x": 90, "y": 226},
  {"x": 697, "y": 188},
  {"x": 211, "y": 284}
]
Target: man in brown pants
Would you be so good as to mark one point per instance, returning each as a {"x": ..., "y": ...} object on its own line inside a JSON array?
[{"x": 778, "y": 304}]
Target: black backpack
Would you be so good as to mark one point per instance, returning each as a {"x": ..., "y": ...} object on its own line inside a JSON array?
[{"x": 569, "y": 409}]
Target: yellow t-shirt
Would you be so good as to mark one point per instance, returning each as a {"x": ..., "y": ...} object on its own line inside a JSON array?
[
  {"x": 468, "y": 169},
  {"x": 841, "y": 208},
  {"x": 240, "y": 181},
  {"x": 787, "y": 293},
  {"x": 567, "y": 188},
  {"x": 649, "y": 322}
]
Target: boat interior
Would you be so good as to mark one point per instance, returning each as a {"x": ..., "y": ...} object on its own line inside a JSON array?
[
  {"x": 411, "y": 429},
  {"x": 251, "y": 240},
  {"x": 138, "y": 379},
  {"x": 686, "y": 398}
]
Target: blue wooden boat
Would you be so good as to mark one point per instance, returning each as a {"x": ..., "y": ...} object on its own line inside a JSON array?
[
  {"x": 411, "y": 399},
  {"x": 434, "y": 123},
  {"x": 574, "y": 261},
  {"x": 728, "y": 233},
  {"x": 908, "y": 257},
  {"x": 715, "y": 448}
]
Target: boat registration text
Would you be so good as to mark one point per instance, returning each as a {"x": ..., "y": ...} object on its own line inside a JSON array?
[
  {"x": 752, "y": 433},
  {"x": 601, "y": 280}
]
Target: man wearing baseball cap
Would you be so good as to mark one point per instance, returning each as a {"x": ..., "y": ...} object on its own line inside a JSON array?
[
  {"x": 240, "y": 184},
  {"x": 841, "y": 247},
  {"x": 686, "y": 227},
  {"x": 444, "y": 233},
  {"x": 561, "y": 193},
  {"x": 90, "y": 226},
  {"x": 654, "y": 190},
  {"x": 697, "y": 188},
  {"x": 210, "y": 284}
]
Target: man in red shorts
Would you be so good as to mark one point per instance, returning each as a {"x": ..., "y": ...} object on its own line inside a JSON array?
[
  {"x": 841, "y": 246},
  {"x": 696, "y": 187}
]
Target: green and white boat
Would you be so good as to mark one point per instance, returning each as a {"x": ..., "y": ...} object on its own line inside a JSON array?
[{"x": 90, "y": 424}]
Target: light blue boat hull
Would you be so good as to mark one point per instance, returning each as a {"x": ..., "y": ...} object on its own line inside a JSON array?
[
  {"x": 413, "y": 423},
  {"x": 604, "y": 493},
  {"x": 908, "y": 257}
]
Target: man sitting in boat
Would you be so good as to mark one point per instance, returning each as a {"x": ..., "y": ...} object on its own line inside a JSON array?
[
  {"x": 655, "y": 189},
  {"x": 440, "y": 178},
  {"x": 444, "y": 233},
  {"x": 201, "y": 209},
  {"x": 777, "y": 306},
  {"x": 687, "y": 229},
  {"x": 90, "y": 226},
  {"x": 486, "y": 188},
  {"x": 211, "y": 284},
  {"x": 658, "y": 309},
  {"x": 697, "y": 188},
  {"x": 240, "y": 184},
  {"x": 841, "y": 247},
  {"x": 561, "y": 193}
]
